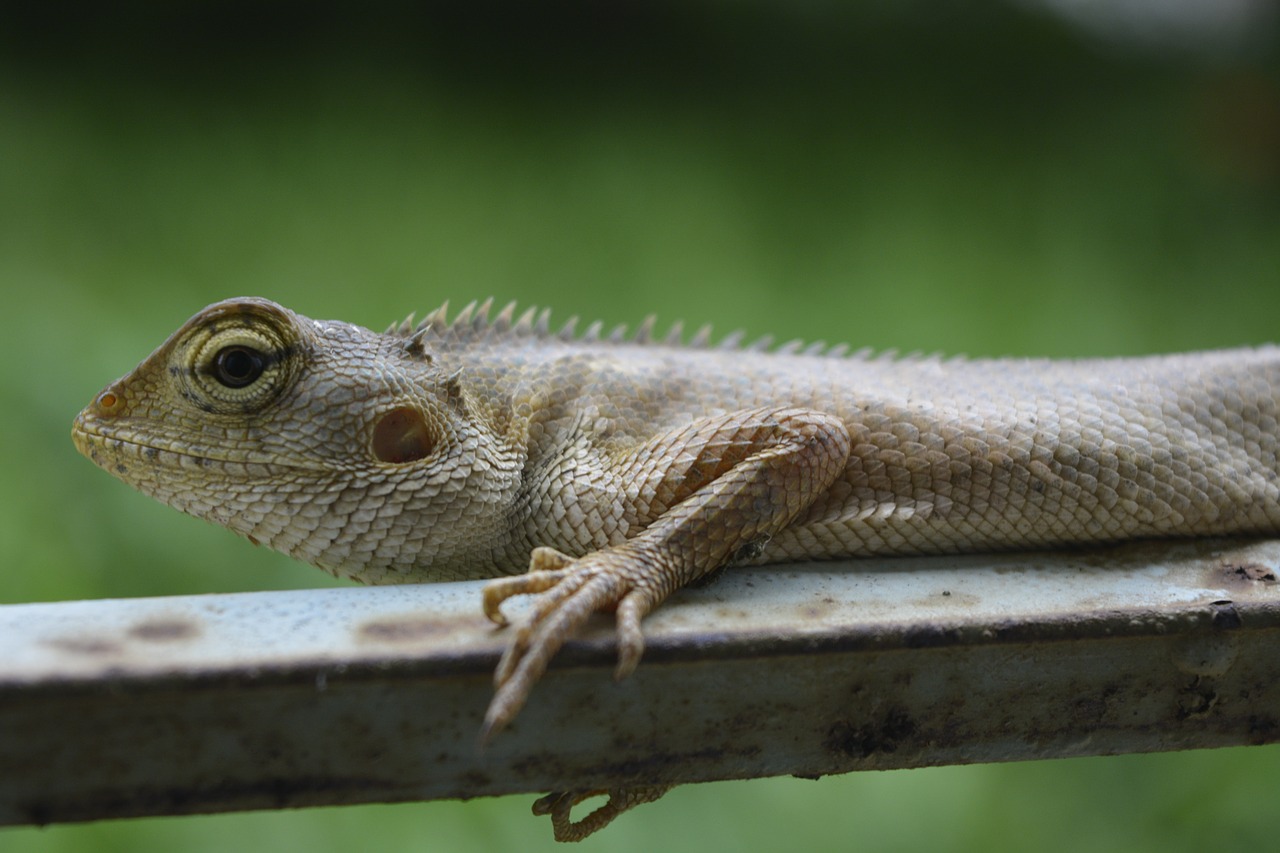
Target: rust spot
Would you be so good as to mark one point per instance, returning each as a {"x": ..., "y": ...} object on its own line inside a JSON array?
[
  {"x": 163, "y": 630},
  {"x": 1248, "y": 572},
  {"x": 402, "y": 630},
  {"x": 85, "y": 646}
]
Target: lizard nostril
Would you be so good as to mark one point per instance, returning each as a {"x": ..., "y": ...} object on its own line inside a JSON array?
[{"x": 109, "y": 403}]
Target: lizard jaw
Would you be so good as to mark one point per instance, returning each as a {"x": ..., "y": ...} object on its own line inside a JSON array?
[{"x": 95, "y": 436}]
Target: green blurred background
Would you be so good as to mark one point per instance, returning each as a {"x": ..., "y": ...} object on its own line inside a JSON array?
[{"x": 951, "y": 176}]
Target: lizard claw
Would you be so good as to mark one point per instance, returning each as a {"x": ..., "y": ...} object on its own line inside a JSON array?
[
  {"x": 544, "y": 572},
  {"x": 560, "y": 803},
  {"x": 568, "y": 591}
]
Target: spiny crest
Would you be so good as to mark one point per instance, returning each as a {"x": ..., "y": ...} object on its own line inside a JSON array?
[{"x": 474, "y": 323}]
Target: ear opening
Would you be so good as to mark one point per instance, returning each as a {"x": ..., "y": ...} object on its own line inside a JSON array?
[{"x": 402, "y": 435}]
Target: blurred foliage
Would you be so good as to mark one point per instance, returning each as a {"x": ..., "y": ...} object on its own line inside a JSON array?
[{"x": 946, "y": 176}]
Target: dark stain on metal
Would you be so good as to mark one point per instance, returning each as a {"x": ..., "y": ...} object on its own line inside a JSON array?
[
  {"x": 409, "y": 629},
  {"x": 850, "y": 740},
  {"x": 164, "y": 630},
  {"x": 86, "y": 646},
  {"x": 1247, "y": 572}
]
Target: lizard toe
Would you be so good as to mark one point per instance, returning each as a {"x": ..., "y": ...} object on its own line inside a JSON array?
[
  {"x": 499, "y": 590},
  {"x": 552, "y": 624},
  {"x": 566, "y": 584},
  {"x": 559, "y": 805},
  {"x": 633, "y": 608}
]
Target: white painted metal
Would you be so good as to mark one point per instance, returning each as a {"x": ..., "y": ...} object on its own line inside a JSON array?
[{"x": 220, "y": 702}]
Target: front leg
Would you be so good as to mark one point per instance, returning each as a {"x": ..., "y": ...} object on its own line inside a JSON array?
[{"x": 718, "y": 489}]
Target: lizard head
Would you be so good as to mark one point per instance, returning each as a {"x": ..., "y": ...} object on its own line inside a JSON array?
[{"x": 320, "y": 439}]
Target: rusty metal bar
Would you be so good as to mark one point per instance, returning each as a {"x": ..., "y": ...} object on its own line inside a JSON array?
[{"x": 264, "y": 700}]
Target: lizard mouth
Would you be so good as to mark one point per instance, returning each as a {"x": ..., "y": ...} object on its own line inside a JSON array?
[{"x": 112, "y": 452}]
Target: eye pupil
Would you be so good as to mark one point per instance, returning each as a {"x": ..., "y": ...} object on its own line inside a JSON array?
[{"x": 236, "y": 367}]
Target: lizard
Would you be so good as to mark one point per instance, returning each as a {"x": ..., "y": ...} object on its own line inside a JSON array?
[{"x": 619, "y": 468}]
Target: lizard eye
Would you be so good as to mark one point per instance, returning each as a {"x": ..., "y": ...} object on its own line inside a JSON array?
[{"x": 238, "y": 366}]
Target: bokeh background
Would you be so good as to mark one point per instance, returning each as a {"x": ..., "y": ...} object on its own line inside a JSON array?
[{"x": 1067, "y": 178}]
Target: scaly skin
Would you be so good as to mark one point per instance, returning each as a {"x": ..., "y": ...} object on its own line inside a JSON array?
[{"x": 619, "y": 470}]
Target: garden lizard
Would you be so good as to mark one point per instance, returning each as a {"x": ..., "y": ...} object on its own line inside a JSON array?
[{"x": 618, "y": 468}]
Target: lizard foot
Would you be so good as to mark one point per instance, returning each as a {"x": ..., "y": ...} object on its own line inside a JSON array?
[
  {"x": 569, "y": 590},
  {"x": 560, "y": 803},
  {"x": 726, "y": 483}
]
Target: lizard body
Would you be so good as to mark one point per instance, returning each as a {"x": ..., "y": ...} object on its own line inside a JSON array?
[{"x": 619, "y": 469}]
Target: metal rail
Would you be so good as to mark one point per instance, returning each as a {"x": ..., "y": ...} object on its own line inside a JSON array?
[{"x": 266, "y": 700}]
